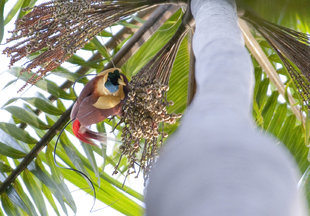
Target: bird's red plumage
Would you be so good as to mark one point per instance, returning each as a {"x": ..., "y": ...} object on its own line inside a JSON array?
[{"x": 81, "y": 136}]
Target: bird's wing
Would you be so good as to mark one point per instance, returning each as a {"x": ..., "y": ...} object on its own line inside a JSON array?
[
  {"x": 87, "y": 91},
  {"x": 88, "y": 114}
]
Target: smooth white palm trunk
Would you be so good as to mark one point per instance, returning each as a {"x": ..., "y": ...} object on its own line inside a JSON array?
[{"x": 218, "y": 163}]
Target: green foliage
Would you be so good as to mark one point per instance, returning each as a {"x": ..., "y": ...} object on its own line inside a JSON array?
[
  {"x": 11, "y": 152},
  {"x": 276, "y": 118},
  {"x": 17, "y": 133},
  {"x": 45, "y": 182},
  {"x": 292, "y": 14},
  {"x": 1, "y": 20},
  {"x": 27, "y": 117},
  {"x": 152, "y": 45}
]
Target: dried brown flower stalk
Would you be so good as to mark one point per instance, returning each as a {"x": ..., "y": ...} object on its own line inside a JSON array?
[
  {"x": 145, "y": 110},
  {"x": 53, "y": 31},
  {"x": 293, "y": 49}
]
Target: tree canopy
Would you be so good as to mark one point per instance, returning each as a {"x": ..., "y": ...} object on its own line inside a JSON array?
[{"x": 36, "y": 120}]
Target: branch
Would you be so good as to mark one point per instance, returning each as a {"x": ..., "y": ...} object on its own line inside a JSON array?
[{"x": 264, "y": 62}]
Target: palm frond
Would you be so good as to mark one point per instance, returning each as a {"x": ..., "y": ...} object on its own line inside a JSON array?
[
  {"x": 264, "y": 62},
  {"x": 282, "y": 12},
  {"x": 278, "y": 119},
  {"x": 292, "y": 47}
]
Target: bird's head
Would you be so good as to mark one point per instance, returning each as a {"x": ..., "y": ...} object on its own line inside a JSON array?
[{"x": 114, "y": 79}]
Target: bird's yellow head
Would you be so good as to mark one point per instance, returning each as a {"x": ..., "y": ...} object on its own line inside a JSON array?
[{"x": 110, "y": 88}]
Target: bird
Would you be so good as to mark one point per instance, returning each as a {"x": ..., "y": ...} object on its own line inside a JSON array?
[{"x": 103, "y": 96}]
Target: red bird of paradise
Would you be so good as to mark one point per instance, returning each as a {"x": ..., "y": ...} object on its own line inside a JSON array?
[{"x": 103, "y": 96}]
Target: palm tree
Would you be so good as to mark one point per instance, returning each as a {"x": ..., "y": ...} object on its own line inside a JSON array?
[
  {"x": 220, "y": 116},
  {"x": 218, "y": 163}
]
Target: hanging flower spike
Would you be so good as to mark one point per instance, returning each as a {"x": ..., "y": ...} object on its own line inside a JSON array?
[
  {"x": 59, "y": 28},
  {"x": 101, "y": 97},
  {"x": 145, "y": 112},
  {"x": 293, "y": 49}
]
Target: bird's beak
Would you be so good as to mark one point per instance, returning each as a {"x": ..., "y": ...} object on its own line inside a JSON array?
[{"x": 121, "y": 82}]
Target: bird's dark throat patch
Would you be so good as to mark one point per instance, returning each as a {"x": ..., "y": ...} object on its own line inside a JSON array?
[{"x": 113, "y": 77}]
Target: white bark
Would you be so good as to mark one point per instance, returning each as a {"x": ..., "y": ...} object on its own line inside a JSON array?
[{"x": 218, "y": 163}]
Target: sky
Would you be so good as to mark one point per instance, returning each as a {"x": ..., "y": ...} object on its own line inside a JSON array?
[{"x": 83, "y": 201}]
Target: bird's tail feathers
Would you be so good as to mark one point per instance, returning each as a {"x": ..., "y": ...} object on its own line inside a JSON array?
[{"x": 87, "y": 136}]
